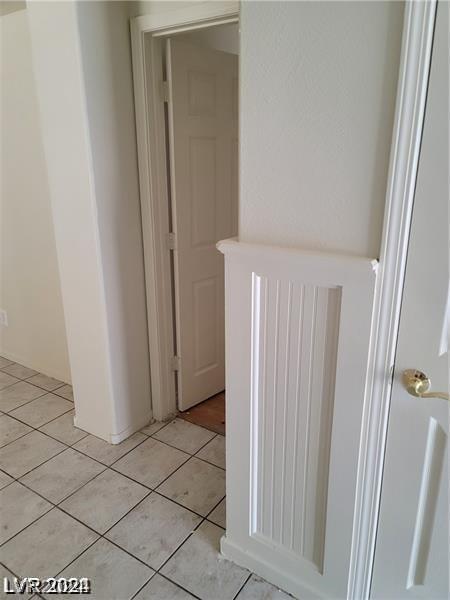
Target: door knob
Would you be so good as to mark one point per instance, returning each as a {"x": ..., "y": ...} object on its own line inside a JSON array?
[{"x": 417, "y": 384}]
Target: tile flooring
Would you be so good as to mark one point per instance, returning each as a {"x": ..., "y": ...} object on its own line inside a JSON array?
[{"x": 142, "y": 519}]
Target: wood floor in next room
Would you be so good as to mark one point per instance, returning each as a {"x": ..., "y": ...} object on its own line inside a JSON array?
[
  {"x": 209, "y": 414},
  {"x": 142, "y": 519}
]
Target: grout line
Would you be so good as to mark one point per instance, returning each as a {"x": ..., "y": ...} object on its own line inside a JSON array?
[
  {"x": 178, "y": 504},
  {"x": 58, "y": 417},
  {"x": 40, "y": 464},
  {"x": 3, "y": 370},
  {"x": 178, "y": 585},
  {"x": 213, "y": 509},
  {"x": 43, "y": 424},
  {"x": 25, "y": 403},
  {"x": 10, "y": 384},
  {"x": 29, "y": 524},
  {"x": 43, "y": 388},
  {"x": 54, "y": 391},
  {"x": 244, "y": 584},
  {"x": 186, "y": 452},
  {"x": 146, "y": 485},
  {"x": 180, "y": 545},
  {"x": 160, "y": 429},
  {"x": 17, "y": 438}
]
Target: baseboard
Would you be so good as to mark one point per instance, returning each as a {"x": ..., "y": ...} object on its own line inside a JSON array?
[
  {"x": 55, "y": 373},
  {"x": 123, "y": 435},
  {"x": 116, "y": 438},
  {"x": 267, "y": 571}
]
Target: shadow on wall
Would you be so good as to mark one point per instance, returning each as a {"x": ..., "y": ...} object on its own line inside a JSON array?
[{"x": 106, "y": 59}]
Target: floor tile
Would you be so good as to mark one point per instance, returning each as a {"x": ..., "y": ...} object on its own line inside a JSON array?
[
  {"x": 114, "y": 574},
  {"x": 184, "y": 436},
  {"x": 11, "y": 430},
  {"x": 214, "y": 451},
  {"x": 4, "y": 362},
  {"x": 66, "y": 392},
  {"x": 18, "y": 394},
  {"x": 5, "y": 480},
  {"x": 64, "y": 430},
  {"x": 28, "y": 452},
  {"x": 218, "y": 515},
  {"x": 46, "y": 546},
  {"x": 18, "y": 508},
  {"x": 59, "y": 477},
  {"x": 42, "y": 410},
  {"x": 153, "y": 428},
  {"x": 196, "y": 485},
  {"x": 198, "y": 566},
  {"x": 107, "y": 453},
  {"x": 159, "y": 588},
  {"x": 151, "y": 462},
  {"x": 6, "y": 380},
  {"x": 154, "y": 529},
  {"x": 45, "y": 382},
  {"x": 104, "y": 500},
  {"x": 19, "y": 371},
  {"x": 258, "y": 589}
]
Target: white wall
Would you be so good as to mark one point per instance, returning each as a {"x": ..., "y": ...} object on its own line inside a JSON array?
[
  {"x": 318, "y": 87},
  {"x": 82, "y": 66},
  {"x": 106, "y": 59},
  {"x": 29, "y": 280}
]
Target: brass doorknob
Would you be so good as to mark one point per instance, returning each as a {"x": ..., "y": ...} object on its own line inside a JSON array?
[{"x": 417, "y": 384}]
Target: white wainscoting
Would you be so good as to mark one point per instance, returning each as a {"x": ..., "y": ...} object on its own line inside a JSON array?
[{"x": 297, "y": 339}]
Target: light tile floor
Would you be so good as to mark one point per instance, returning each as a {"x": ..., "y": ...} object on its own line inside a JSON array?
[{"x": 142, "y": 519}]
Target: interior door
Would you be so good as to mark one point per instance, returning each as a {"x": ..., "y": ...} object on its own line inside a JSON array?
[
  {"x": 412, "y": 549},
  {"x": 203, "y": 114}
]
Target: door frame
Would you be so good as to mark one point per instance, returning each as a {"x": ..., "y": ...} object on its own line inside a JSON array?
[
  {"x": 414, "y": 68},
  {"x": 146, "y": 37}
]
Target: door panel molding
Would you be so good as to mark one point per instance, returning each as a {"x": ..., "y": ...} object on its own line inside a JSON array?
[{"x": 428, "y": 495}]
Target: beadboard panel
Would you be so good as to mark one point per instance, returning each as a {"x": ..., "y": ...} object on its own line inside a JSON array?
[
  {"x": 295, "y": 332},
  {"x": 297, "y": 338}
]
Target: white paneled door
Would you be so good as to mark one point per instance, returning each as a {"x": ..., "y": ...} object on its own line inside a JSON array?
[
  {"x": 203, "y": 114},
  {"x": 412, "y": 550}
]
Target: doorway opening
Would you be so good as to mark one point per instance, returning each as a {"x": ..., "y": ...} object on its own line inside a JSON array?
[
  {"x": 201, "y": 118},
  {"x": 186, "y": 89}
]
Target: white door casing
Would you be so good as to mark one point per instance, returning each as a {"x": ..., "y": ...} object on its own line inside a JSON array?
[
  {"x": 412, "y": 550},
  {"x": 297, "y": 339},
  {"x": 203, "y": 115}
]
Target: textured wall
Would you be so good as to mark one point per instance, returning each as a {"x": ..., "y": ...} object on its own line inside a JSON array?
[
  {"x": 106, "y": 61},
  {"x": 318, "y": 87}
]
